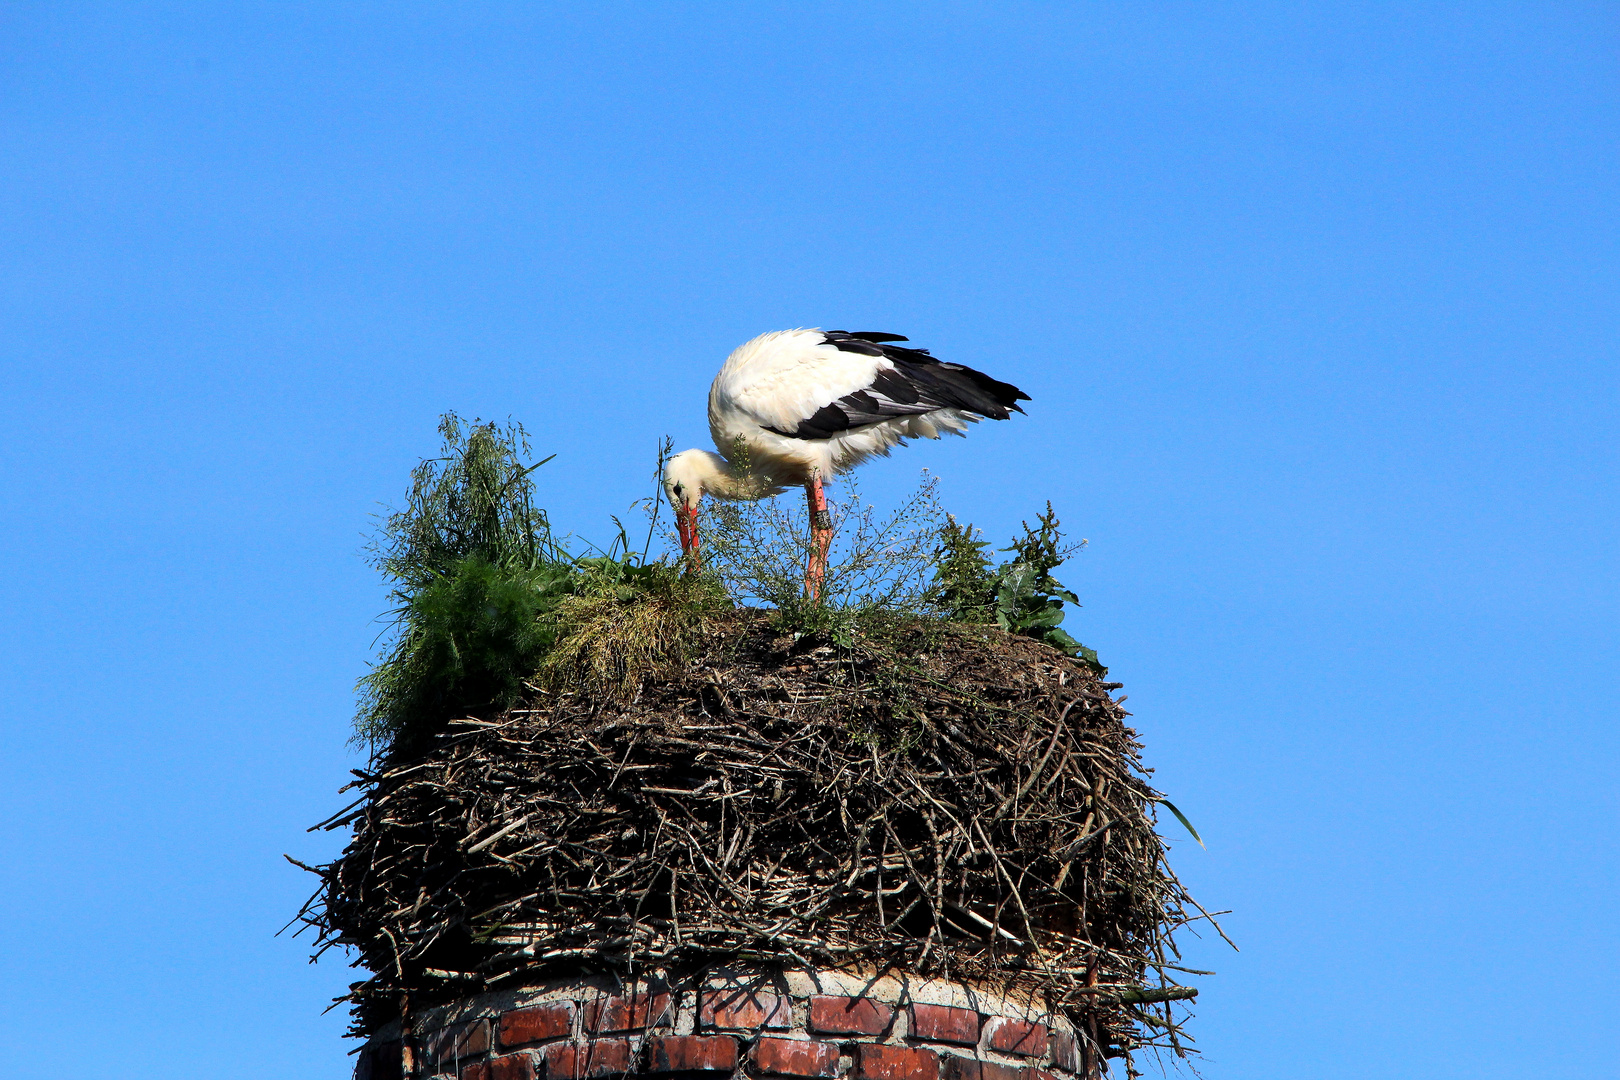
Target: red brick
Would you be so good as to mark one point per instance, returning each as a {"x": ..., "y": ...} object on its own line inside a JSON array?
[
  {"x": 1038, "y": 1074},
  {"x": 878, "y": 1062},
  {"x": 692, "y": 1053},
  {"x": 462, "y": 1040},
  {"x": 941, "y": 1023},
  {"x": 795, "y": 1057},
  {"x": 1024, "y": 1037},
  {"x": 964, "y": 1068},
  {"x": 551, "y": 1021},
  {"x": 599, "y": 1057},
  {"x": 849, "y": 1015},
  {"x": 744, "y": 1010},
  {"x": 1065, "y": 1053},
  {"x": 477, "y": 1071},
  {"x": 624, "y": 1014},
  {"x": 512, "y": 1067}
]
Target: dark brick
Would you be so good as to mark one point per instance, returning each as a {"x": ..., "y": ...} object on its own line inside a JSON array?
[
  {"x": 459, "y": 1041},
  {"x": 625, "y": 1014},
  {"x": 551, "y": 1021},
  {"x": 577, "y": 1061},
  {"x": 383, "y": 1061},
  {"x": 479, "y": 1070},
  {"x": 512, "y": 1067},
  {"x": 849, "y": 1015},
  {"x": 744, "y": 1010},
  {"x": 1038, "y": 1074},
  {"x": 941, "y": 1023},
  {"x": 1025, "y": 1037},
  {"x": 1065, "y": 1053},
  {"x": 964, "y": 1068},
  {"x": 692, "y": 1053},
  {"x": 795, "y": 1057},
  {"x": 875, "y": 1061}
]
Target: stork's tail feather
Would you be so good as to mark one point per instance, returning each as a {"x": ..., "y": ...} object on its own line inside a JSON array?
[
  {"x": 971, "y": 390},
  {"x": 950, "y": 385}
]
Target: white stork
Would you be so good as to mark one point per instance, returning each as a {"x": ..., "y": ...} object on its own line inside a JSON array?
[{"x": 804, "y": 405}]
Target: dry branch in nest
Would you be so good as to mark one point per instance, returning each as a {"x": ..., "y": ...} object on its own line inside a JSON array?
[{"x": 943, "y": 799}]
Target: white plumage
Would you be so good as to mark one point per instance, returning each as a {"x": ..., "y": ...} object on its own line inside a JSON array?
[{"x": 801, "y": 406}]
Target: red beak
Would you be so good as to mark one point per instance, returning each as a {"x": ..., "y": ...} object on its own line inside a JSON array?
[{"x": 686, "y": 523}]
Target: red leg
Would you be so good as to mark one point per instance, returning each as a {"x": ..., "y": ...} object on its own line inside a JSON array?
[
  {"x": 815, "y": 575},
  {"x": 686, "y": 521}
]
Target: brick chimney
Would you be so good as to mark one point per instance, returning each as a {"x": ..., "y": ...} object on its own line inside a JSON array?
[{"x": 810, "y": 1025}]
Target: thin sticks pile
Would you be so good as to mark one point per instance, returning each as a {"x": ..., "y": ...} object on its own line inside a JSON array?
[{"x": 953, "y": 802}]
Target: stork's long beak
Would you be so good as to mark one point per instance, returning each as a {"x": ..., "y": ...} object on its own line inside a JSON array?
[{"x": 686, "y": 522}]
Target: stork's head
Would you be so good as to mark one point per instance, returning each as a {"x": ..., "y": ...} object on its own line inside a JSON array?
[
  {"x": 685, "y": 475},
  {"x": 692, "y": 474}
]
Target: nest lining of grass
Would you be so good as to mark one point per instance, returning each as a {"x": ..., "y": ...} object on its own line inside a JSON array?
[{"x": 940, "y": 798}]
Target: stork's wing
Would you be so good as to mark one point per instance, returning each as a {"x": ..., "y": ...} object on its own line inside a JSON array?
[{"x": 903, "y": 382}]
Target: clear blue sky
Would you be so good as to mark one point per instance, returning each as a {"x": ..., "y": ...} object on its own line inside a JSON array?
[{"x": 1316, "y": 303}]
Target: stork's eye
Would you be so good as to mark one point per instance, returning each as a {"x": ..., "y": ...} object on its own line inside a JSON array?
[{"x": 681, "y": 491}]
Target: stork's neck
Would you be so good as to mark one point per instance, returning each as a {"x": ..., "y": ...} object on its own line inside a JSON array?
[
  {"x": 726, "y": 481},
  {"x": 708, "y": 472}
]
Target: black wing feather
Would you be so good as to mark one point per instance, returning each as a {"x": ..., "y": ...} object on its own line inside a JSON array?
[{"x": 918, "y": 384}]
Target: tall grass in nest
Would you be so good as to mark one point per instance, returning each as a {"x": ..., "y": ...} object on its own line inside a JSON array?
[
  {"x": 625, "y": 624},
  {"x": 630, "y": 618}
]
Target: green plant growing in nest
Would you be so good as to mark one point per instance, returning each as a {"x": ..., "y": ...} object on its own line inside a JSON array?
[
  {"x": 472, "y": 566},
  {"x": 916, "y": 562},
  {"x": 963, "y": 577},
  {"x": 487, "y": 601},
  {"x": 1021, "y": 596},
  {"x": 757, "y": 551},
  {"x": 627, "y": 620}
]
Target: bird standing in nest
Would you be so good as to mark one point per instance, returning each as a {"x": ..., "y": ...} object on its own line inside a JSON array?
[{"x": 801, "y": 406}]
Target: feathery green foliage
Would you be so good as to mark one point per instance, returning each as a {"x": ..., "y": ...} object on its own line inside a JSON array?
[
  {"x": 472, "y": 566},
  {"x": 475, "y": 500},
  {"x": 487, "y": 600},
  {"x": 466, "y": 642}
]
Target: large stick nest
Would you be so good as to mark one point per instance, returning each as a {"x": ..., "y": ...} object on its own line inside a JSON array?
[{"x": 942, "y": 799}]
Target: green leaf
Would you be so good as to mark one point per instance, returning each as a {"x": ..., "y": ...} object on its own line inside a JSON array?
[
  {"x": 1062, "y": 640},
  {"x": 1044, "y": 618},
  {"x": 1180, "y": 817}
]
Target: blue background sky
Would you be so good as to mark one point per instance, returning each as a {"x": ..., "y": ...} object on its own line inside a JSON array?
[{"x": 1316, "y": 303}]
